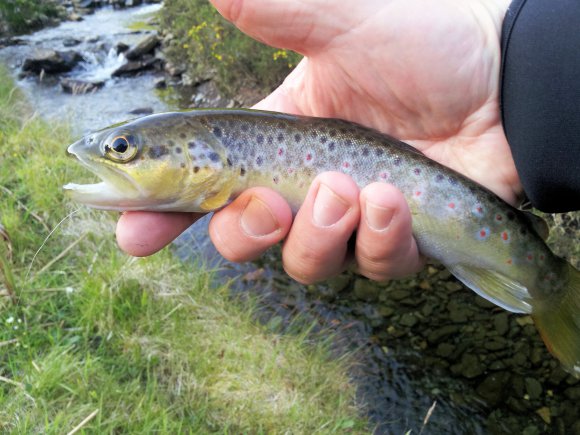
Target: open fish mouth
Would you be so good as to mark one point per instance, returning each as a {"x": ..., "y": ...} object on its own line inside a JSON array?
[{"x": 115, "y": 191}]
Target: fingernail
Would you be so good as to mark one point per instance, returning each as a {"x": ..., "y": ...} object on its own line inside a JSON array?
[
  {"x": 257, "y": 220},
  {"x": 328, "y": 208},
  {"x": 378, "y": 218}
]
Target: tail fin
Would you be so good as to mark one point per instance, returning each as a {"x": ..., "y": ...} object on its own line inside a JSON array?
[{"x": 559, "y": 324}]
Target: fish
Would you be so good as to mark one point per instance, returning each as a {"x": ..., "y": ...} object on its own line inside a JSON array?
[{"x": 200, "y": 160}]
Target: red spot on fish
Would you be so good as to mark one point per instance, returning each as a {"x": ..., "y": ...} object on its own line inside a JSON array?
[
  {"x": 308, "y": 157},
  {"x": 498, "y": 217},
  {"x": 290, "y": 170},
  {"x": 479, "y": 209},
  {"x": 483, "y": 233},
  {"x": 418, "y": 193},
  {"x": 383, "y": 175},
  {"x": 509, "y": 261},
  {"x": 451, "y": 205},
  {"x": 346, "y": 165},
  {"x": 530, "y": 257},
  {"x": 280, "y": 151},
  {"x": 505, "y": 236},
  {"x": 542, "y": 257}
]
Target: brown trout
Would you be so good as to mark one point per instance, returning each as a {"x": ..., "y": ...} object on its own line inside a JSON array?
[{"x": 198, "y": 161}]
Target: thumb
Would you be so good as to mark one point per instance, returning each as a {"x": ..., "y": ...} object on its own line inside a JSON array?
[{"x": 299, "y": 26}]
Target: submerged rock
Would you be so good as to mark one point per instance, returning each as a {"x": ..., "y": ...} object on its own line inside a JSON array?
[{"x": 51, "y": 62}]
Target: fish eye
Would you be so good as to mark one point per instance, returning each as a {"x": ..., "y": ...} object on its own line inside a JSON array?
[
  {"x": 121, "y": 149},
  {"x": 120, "y": 145}
]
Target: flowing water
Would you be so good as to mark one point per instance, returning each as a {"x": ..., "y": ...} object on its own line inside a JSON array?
[{"x": 419, "y": 342}]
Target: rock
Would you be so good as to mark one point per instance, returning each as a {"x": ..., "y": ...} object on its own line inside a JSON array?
[
  {"x": 399, "y": 294},
  {"x": 442, "y": 333},
  {"x": 145, "y": 46},
  {"x": 121, "y": 47},
  {"x": 492, "y": 389},
  {"x": 337, "y": 283},
  {"x": 135, "y": 67},
  {"x": 524, "y": 320},
  {"x": 70, "y": 42},
  {"x": 469, "y": 367},
  {"x": 73, "y": 16},
  {"x": 408, "y": 319},
  {"x": 148, "y": 111},
  {"x": 545, "y": 414},
  {"x": 501, "y": 323},
  {"x": 495, "y": 343},
  {"x": 533, "y": 388},
  {"x": 51, "y": 62},
  {"x": 77, "y": 87},
  {"x": 573, "y": 393},
  {"x": 576, "y": 428},
  {"x": 445, "y": 349},
  {"x": 366, "y": 290}
]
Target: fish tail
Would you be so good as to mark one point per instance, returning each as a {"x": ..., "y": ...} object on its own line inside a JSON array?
[{"x": 558, "y": 320}]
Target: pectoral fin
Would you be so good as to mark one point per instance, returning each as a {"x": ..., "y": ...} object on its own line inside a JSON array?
[{"x": 495, "y": 287}]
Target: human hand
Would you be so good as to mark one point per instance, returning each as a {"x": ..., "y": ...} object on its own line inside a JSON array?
[{"x": 427, "y": 73}]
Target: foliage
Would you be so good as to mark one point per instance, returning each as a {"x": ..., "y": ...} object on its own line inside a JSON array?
[
  {"x": 122, "y": 345},
  {"x": 21, "y": 16},
  {"x": 213, "y": 47}
]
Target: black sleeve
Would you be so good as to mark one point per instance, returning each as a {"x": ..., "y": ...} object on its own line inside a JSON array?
[{"x": 540, "y": 99}]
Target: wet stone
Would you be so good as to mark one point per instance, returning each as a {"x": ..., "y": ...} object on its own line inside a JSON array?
[
  {"x": 338, "y": 283},
  {"x": 399, "y": 294},
  {"x": 442, "y": 333},
  {"x": 445, "y": 349},
  {"x": 533, "y": 388},
  {"x": 366, "y": 290},
  {"x": 408, "y": 319},
  {"x": 469, "y": 367},
  {"x": 492, "y": 389},
  {"x": 496, "y": 343},
  {"x": 501, "y": 323},
  {"x": 573, "y": 393}
]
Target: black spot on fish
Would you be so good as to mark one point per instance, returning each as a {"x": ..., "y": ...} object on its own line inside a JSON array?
[
  {"x": 452, "y": 181},
  {"x": 417, "y": 171},
  {"x": 297, "y": 138},
  {"x": 201, "y": 156},
  {"x": 157, "y": 151},
  {"x": 380, "y": 152},
  {"x": 191, "y": 145},
  {"x": 331, "y": 146},
  {"x": 270, "y": 140},
  {"x": 343, "y": 130},
  {"x": 259, "y": 161},
  {"x": 245, "y": 127},
  {"x": 523, "y": 231},
  {"x": 260, "y": 139},
  {"x": 170, "y": 143},
  {"x": 365, "y": 152},
  {"x": 397, "y": 161},
  {"x": 332, "y": 133},
  {"x": 214, "y": 157},
  {"x": 195, "y": 169},
  {"x": 439, "y": 178},
  {"x": 229, "y": 162},
  {"x": 182, "y": 135},
  {"x": 242, "y": 171},
  {"x": 323, "y": 139},
  {"x": 280, "y": 137},
  {"x": 178, "y": 150},
  {"x": 217, "y": 132}
]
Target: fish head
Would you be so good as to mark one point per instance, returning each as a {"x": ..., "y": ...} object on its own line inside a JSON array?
[{"x": 155, "y": 163}]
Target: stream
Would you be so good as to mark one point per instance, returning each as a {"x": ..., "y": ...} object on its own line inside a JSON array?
[{"x": 432, "y": 357}]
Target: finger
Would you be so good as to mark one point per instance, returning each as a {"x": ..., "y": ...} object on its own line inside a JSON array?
[
  {"x": 316, "y": 247},
  {"x": 256, "y": 220},
  {"x": 299, "y": 26},
  {"x": 385, "y": 247},
  {"x": 142, "y": 233}
]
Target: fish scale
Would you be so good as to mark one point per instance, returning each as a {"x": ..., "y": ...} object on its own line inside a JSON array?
[{"x": 200, "y": 160}]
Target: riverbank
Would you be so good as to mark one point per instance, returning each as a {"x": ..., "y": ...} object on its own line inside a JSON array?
[{"x": 95, "y": 339}]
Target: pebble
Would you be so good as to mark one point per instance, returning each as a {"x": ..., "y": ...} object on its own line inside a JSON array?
[
  {"x": 365, "y": 290},
  {"x": 469, "y": 367},
  {"x": 492, "y": 388},
  {"x": 408, "y": 319},
  {"x": 501, "y": 323},
  {"x": 545, "y": 414},
  {"x": 533, "y": 388}
]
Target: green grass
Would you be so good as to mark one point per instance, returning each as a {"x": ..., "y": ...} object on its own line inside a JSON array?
[
  {"x": 116, "y": 344},
  {"x": 211, "y": 47},
  {"x": 21, "y": 16}
]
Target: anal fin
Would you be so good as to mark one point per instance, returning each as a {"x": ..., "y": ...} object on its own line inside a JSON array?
[{"x": 495, "y": 287}]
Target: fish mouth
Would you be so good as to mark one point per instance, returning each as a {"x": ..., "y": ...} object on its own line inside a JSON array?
[{"x": 116, "y": 191}]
